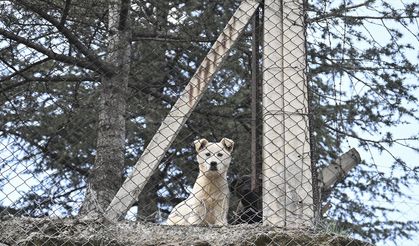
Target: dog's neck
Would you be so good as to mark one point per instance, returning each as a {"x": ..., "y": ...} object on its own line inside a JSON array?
[
  {"x": 212, "y": 177},
  {"x": 210, "y": 184}
]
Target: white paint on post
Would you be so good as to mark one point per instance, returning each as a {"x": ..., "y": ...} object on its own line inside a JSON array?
[
  {"x": 287, "y": 176},
  {"x": 180, "y": 112}
]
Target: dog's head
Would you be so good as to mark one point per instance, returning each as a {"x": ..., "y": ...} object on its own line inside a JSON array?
[{"x": 214, "y": 157}]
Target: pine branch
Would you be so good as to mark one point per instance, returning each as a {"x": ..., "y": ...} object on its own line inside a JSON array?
[
  {"x": 386, "y": 141},
  {"x": 65, "y": 13},
  {"x": 68, "y": 193},
  {"x": 338, "y": 13},
  {"x": 124, "y": 15},
  {"x": 45, "y": 151},
  {"x": 53, "y": 79},
  {"x": 384, "y": 17},
  {"x": 362, "y": 17},
  {"x": 168, "y": 37},
  {"x": 20, "y": 72},
  {"x": 52, "y": 55},
  {"x": 335, "y": 12},
  {"x": 72, "y": 38}
]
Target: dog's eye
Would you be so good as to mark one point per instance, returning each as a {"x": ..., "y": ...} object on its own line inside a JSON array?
[
  {"x": 220, "y": 154},
  {"x": 207, "y": 154}
]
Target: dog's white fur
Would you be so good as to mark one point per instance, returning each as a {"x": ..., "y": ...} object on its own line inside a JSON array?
[{"x": 208, "y": 202}]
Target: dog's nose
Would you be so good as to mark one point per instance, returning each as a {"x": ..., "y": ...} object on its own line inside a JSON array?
[{"x": 213, "y": 165}]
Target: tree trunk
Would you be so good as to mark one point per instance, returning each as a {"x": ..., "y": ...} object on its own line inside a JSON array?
[{"x": 107, "y": 175}]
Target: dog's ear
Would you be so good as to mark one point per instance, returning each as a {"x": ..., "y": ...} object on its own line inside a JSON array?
[
  {"x": 200, "y": 144},
  {"x": 228, "y": 144}
]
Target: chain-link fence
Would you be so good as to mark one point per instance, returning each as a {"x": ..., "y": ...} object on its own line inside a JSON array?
[{"x": 221, "y": 120}]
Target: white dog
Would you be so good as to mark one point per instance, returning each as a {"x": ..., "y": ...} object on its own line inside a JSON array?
[{"x": 208, "y": 202}]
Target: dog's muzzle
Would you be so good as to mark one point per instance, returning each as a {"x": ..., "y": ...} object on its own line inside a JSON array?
[{"x": 213, "y": 166}]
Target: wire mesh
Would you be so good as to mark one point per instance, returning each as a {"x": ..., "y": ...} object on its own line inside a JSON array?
[{"x": 180, "y": 122}]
